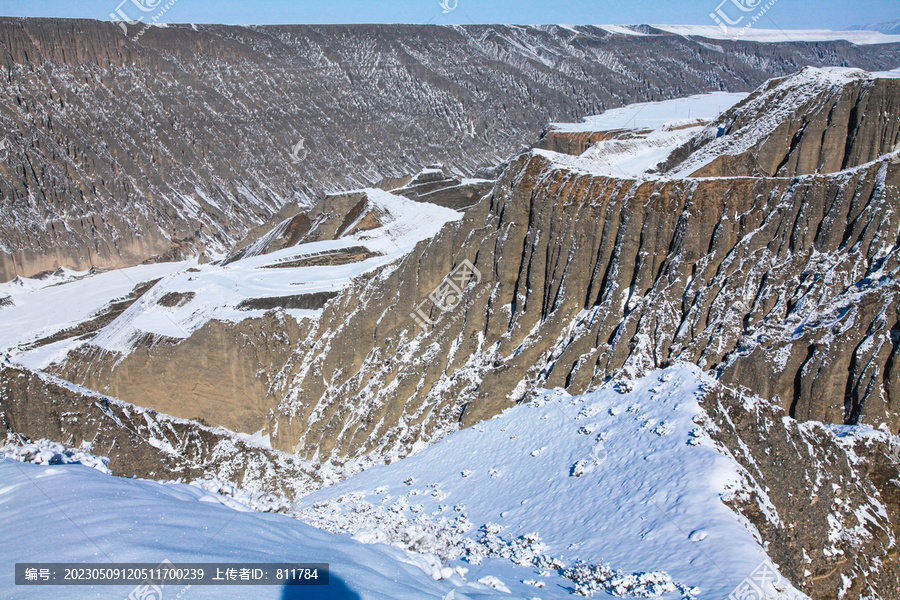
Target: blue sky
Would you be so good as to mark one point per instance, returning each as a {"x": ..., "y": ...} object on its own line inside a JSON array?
[{"x": 786, "y": 14}]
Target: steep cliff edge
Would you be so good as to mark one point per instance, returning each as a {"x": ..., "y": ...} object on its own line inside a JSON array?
[
  {"x": 584, "y": 276},
  {"x": 783, "y": 285},
  {"x": 818, "y": 121}
]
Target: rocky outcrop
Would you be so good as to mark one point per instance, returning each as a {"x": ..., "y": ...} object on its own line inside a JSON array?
[
  {"x": 220, "y": 375},
  {"x": 141, "y": 442},
  {"x": 825, "y": 500},
  {"x": 818, "y": 121},
  {"x": 344, "y": 214},
  {"x": 436, "y": 185},
  {"x": 577, "y": 142},
  {"x": 313, "y": 301},
  {"x": 335, "y": 216},
  {"x": 121, "y": 148}
]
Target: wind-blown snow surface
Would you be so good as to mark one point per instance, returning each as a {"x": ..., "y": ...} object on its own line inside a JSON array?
[
  {"x": 72, "y": 513},
  {"x": 42, "y": 307},
  {"x": 653, "y": 115},
  {"x": 654, "y": 129},
  {"x": 625, "y": 475},
  {"x": 779, "y": 35},
  {"x": 212, "y": 291}
]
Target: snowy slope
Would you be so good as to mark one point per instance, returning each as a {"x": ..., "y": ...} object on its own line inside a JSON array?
[
  {"x": 792, "y": 95},
  {"x": 43, "y": 307},
  {"x": 625, "y": 476},
  {"x": 212, "y": 291},
  {"x": 654, "y": 115},
  {"x": 218, "y": 290},
  {"x": 644, "y": 135},
  {"x": 72, "y": 513},
  {"x": 654, "y": 130}
]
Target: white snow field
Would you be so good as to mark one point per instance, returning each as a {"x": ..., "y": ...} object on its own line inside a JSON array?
[
  {"x": 653, "y": 115},
  {"x": 753, "y": 34},
  {"x": 651, "y": 131},
  {"x": 43, "y": 307},
  {"x": 72, "y": 513},
  {"x": 220, "y": 289},
  {"x": 625, "y": 476},
  {"x": 654, "y": 129}
]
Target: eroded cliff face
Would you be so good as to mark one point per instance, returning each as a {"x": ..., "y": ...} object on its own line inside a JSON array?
[
  {"x": 584, "y": 276},
  {"x": 116, "y": 151},
  {"x": 220, "y": 375},
  {"x": 783, "y": 285},
  {"x": 140, "y": 442},
  {"x": 817, "y": 121},
  {"x": 825, "y": 499}
]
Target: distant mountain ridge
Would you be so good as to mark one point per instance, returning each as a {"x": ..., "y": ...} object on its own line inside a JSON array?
[
  {"x": 888, "y": 27},
  {"x": 116, "y": 151}
]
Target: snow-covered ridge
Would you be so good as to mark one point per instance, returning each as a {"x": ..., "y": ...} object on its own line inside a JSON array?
[
  {"x": 216, "y": 292},
  {"x": 73, "y": 513},
  {"x": 642, "y": 136},
  {"x": 767, "y": 109},
  {"x": 39, "y": 308}
]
